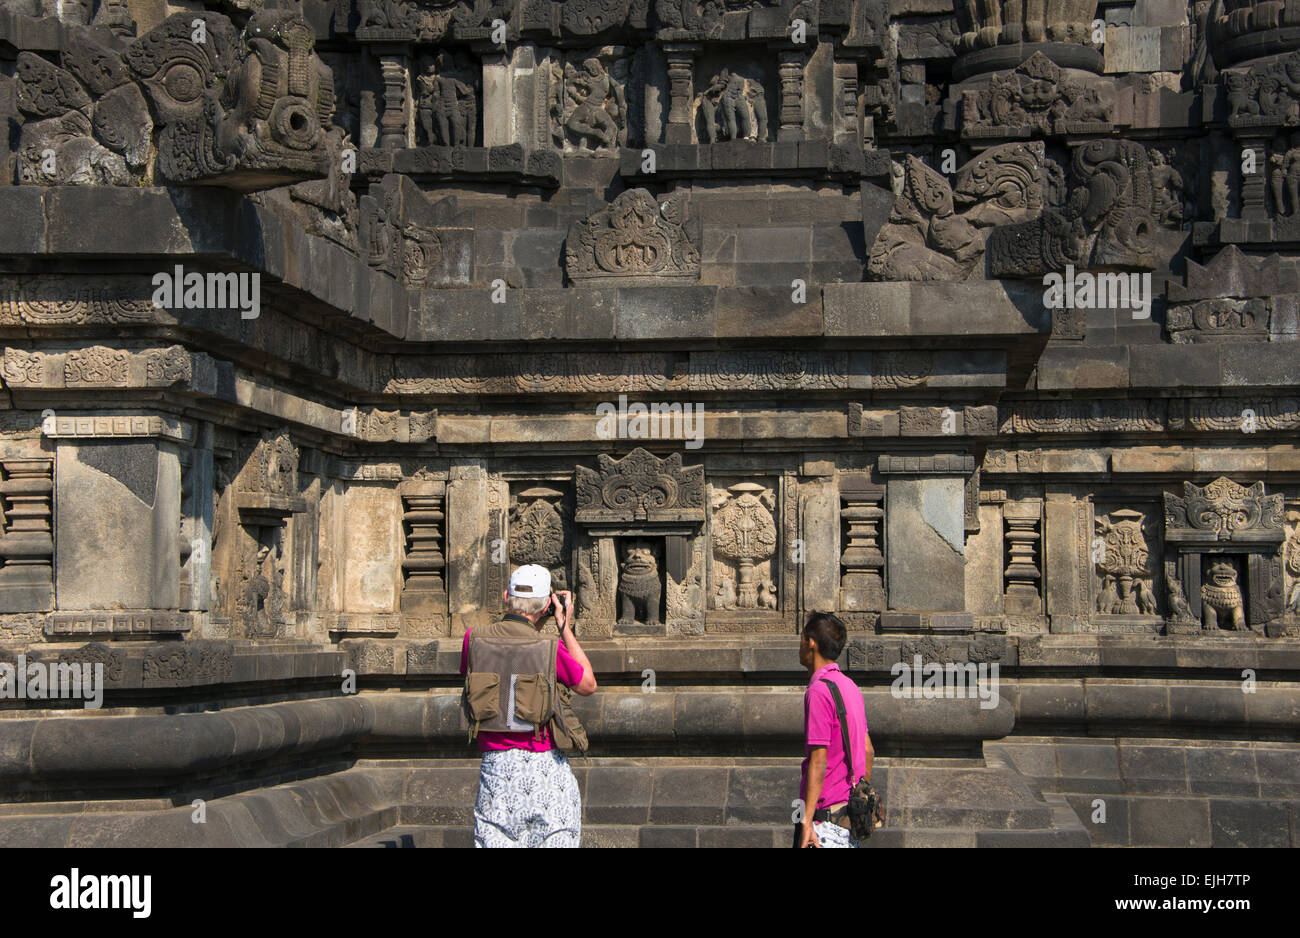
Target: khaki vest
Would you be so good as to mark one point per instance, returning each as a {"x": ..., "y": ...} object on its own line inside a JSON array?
[
  {"x": 510, "y": 679},
  {"x": 510, "y": 686}
]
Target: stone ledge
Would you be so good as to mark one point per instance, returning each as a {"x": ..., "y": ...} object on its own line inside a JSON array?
[{"x": 800, "y": 159}]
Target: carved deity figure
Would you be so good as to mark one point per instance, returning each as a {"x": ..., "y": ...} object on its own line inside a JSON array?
[
  {"x": 1284, "y": 179},
  {"x": 595, "y": 108},
  {"x": 1177, "y": 600},
  {"x": 447, "y": 104},
  {"x": 1221, "y": 598},
  {"x": 742, "y": 105},
  {"x": 1166, "y": 191},
  {"x": 1293, "y": 568},
  {"x": 638, "y": 585}
]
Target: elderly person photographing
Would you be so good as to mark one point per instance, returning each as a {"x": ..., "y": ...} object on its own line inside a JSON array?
[{"x": 518, "y": 678}]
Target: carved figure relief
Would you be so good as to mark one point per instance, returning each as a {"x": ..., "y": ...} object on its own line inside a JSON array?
[
  {"x": 927, "y": 238},
  {"x": 1221, "y": 602},
  {"x": 639, "y": 587},
  {"x": 1036, "y": 98},
  {"x": 732, "y": 107},
  {"x": 1292, "y": 551},
  {"x": 1265, "y": 95},
  {"x": 589, "y": 101},
  {"x": 636, "y": 236},
  {"x": 1167, "y": 190},
  {"x": 744, "y": 541},
  {"x": 447, "y": 103}
]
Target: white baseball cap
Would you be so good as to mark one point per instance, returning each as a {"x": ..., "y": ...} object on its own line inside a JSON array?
[{"x": 530, "y": 581}]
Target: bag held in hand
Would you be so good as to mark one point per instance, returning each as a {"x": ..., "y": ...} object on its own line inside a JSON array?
[{"x": 866, "y": 809}]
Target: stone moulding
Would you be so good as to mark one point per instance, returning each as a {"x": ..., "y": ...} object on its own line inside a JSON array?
[{"x": 1223, "y": 511}]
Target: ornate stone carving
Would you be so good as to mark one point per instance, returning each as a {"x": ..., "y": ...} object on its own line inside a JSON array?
[
  {"x": 927, "y": 238},
  {"x": 1125, "y": 565},
  {"x": 732, "y": 107},
  {"x": 639, "y": 587},
  {"x": 96, "y": 366},
  {"x": 636, "y": 237},
  {"x": 167, "y": 366},
  {"x": 1218, "y": 320},
  {"x": 1265, "y": 95},
  {"x": 1037, "y": 97},
  {"x": 404, "y": 233},
  {"x": 744, "y": 540},
  {"x": 272, "y": 467},
  {"x": 900, "y": 369},
  {"x": 251, "y": 110},
  {"x": 538, "y": 533},
  {"x": 1292, "y": 550},
  {"x": 1082, "y": 416},
  {"x": 589, "y": 102},
  {"x": 1167, "y": 189},
  {"x": 447, "y": 103},
  {"x": 640, "y": 487},
  {"x": 1224, "y": 510},
  {"x": 1108, "y": 223},
  {"x": 862, "y": 514},
  {"x": 1221, "y": 600}
]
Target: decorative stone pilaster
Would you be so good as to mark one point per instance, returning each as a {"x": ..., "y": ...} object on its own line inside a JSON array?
[
  {"x": 681, "y": 92},
  {"x": 862, "y": 585},
  {"x": 27, "y": 544},
  {"x": 1024, "y": 574},
  {"x": 1254, "y": 201},
  {"x": 424, "y": 592},
  {"x": 791, "y": 68},
  {"x": 395, "y": 122}
]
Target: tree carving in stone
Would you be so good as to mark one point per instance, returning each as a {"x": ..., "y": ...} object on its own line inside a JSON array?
[
  {"x": 733, "y": 107},
  {"x": 636, "y": 237},
  {"x": 744, "y": 537},
  {"x": 537, "y": 532},
  {"x": 1125, "y": 566}
]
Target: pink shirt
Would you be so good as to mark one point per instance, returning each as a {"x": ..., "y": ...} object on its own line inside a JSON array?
[
  {"x": 822, "y": 728},
  {"x": 567, "y": 671}
]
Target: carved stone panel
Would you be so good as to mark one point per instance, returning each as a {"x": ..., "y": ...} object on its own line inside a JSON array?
[{"x": 636, "y": 240}]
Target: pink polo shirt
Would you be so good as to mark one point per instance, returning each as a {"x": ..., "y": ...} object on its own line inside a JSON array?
[
  {"x": 568, "y": 671},
  {"x": 822, "y": 728}
]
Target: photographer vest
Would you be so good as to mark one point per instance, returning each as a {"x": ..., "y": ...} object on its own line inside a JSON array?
[{"x": 509, "y": 679}]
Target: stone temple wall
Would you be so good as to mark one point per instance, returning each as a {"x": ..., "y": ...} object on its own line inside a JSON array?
[{"x": 975, "y": 323}]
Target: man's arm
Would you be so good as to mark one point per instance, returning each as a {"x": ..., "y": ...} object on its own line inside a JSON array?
[
  {"x": 587, "y": 686},
  {"x": 871, "y": 757},
  {"x": 813, "y": 793}
]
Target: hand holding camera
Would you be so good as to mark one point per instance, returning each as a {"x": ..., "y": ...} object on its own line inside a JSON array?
[{"x": 562, "y": 605}]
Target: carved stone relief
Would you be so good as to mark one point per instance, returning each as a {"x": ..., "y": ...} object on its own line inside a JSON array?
[
  {"x": 636, "y": 237},
  {"x": 744, "y": 537}
]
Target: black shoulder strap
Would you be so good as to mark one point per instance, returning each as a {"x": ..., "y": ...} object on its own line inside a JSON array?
[{"x": 844, "y": 728}]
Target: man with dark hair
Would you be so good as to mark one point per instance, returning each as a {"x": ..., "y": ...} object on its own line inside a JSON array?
[{"x": 828, "y": 777}]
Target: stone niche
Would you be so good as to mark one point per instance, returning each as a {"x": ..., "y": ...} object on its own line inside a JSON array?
[
  {"x": 1223, "y": 559},
  {"x": 640, "y": 558},
  {"x": 1125, "y": 563}
]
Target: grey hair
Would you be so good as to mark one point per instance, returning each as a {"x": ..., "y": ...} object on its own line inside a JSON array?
[{"x": 527, "y": 605}]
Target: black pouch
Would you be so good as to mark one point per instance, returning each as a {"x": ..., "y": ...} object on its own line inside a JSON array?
[{"x": 866, "y": 808}]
